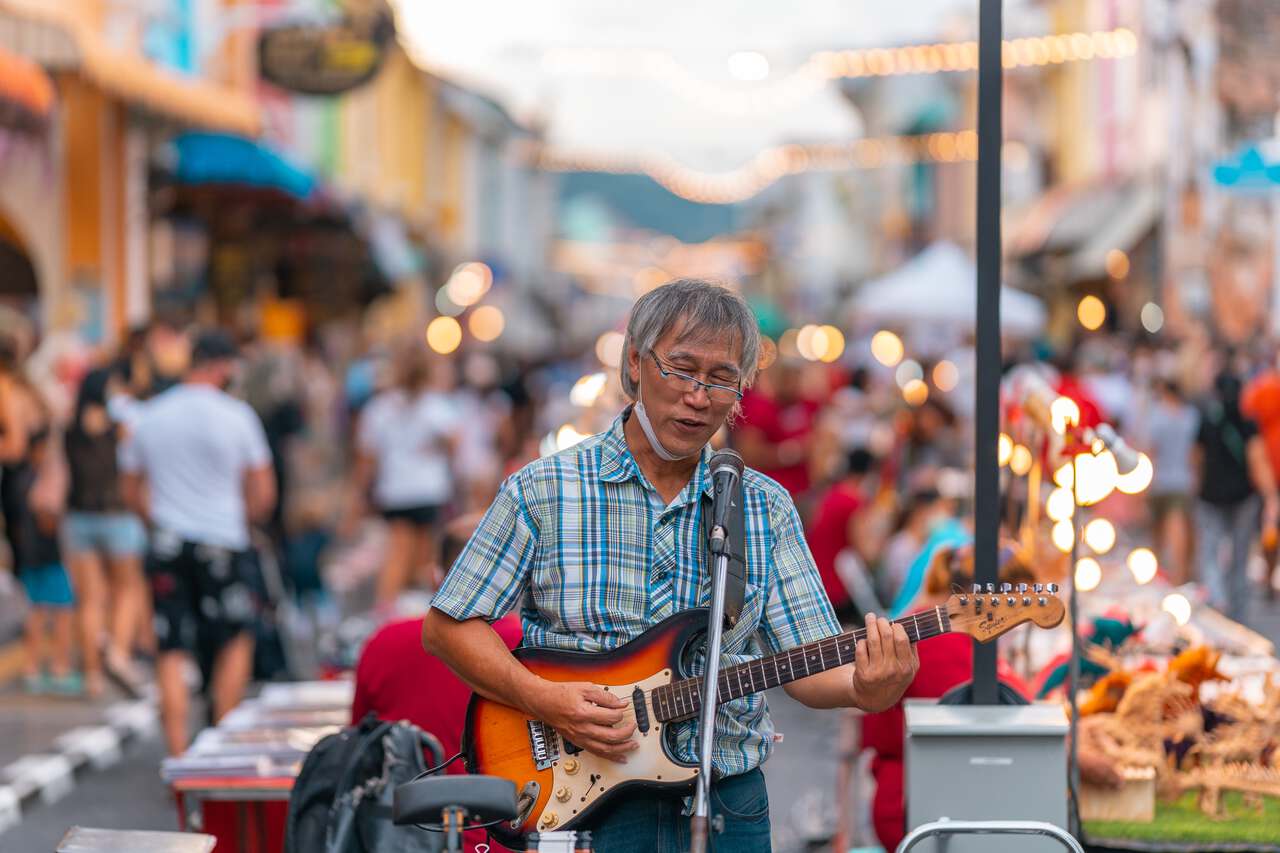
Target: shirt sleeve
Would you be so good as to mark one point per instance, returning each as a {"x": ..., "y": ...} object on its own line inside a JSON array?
[
  {"x": 796, "y": 609},
  {"x": 367, "y": 428},
  {"x": 129, "y": 454},
  {"x": 256, "y": 451},
  {"x": 492, "y": 571}
]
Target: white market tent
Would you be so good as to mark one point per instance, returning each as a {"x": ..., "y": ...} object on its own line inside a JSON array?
[{"x": 939, "y": 287}]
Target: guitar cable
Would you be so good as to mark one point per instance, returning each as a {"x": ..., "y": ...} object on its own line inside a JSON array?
[{"x": 439, "y": 827}]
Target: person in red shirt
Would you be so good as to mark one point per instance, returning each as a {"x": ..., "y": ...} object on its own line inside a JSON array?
[
  {"x": 1261, "y": 402},
  {"x": 833, "y": 528},
  {"x": 397, "y": 679},
  {"x": 775, "y": 431},
  {"x": 945, "y": 662}
]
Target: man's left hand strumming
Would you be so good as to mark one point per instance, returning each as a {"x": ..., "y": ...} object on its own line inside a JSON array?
[{"x": 884, "y": 665}]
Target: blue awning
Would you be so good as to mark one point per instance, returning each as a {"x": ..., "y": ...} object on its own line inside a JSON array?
[{"x": 213, "y": 158}]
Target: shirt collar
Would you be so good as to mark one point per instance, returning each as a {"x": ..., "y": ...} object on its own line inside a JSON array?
[{"x": 617, "y": 465}]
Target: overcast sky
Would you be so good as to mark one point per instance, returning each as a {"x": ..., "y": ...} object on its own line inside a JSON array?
[{"x": 581, "y": 65}]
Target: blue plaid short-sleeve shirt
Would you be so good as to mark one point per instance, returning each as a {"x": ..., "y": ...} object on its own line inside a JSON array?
[{"x": 586, "y": 547}]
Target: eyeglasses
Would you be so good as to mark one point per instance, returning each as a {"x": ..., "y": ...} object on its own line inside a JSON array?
[{"x": 686, "y": 383}]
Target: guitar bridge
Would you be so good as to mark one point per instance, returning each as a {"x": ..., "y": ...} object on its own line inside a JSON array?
[{"x": 544, "y": 742}]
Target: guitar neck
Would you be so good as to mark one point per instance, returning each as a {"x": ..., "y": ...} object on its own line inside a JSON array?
[{"x": 681, "y": 700}]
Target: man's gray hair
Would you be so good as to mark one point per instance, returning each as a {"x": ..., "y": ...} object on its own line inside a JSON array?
[{"x": 704, "y": 310}]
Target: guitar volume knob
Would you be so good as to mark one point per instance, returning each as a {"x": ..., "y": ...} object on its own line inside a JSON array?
[
  {"x": 571, "y": 766},
  {"x": 550, "y": 820},
  {"x": 562, "y": 794}
]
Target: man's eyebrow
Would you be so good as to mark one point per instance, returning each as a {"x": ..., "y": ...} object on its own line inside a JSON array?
[{"x": 681, "y": 355}]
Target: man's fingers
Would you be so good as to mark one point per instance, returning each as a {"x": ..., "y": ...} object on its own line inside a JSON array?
[
  {"x": 610, "y": 737},
  {"x": 603, "y": 697},
  {"x": 601, "y": 716},
  {"x": 902, "y": 646},
  {"x": 874, "y": 650}
]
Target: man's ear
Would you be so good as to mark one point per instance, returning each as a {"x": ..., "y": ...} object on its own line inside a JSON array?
[{"x": 633, "y": 366}]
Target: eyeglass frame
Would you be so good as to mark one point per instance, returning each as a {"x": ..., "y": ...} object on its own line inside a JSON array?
[{"x": 697, "y": 383}]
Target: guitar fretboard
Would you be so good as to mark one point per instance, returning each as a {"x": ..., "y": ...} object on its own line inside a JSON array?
[{"x": 681, "y": 700}]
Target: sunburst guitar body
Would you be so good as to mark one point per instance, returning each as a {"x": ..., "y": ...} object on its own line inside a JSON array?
[{"x": 561, "y": 786}]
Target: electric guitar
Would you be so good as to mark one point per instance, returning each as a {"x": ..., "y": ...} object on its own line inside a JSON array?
[{"x": 560, "y": 785}]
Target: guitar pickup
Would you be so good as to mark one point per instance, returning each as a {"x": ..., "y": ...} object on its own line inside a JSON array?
[
  {"x": 543, "y": 745},
  {"x": 642, "y": 713}
]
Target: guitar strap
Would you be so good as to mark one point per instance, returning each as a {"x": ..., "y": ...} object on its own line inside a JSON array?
[{"x": 735, "y": 581}]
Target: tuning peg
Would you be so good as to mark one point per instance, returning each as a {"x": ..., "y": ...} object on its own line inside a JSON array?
[
  {"x": 991, "y": 587},
  {"x": 1037, "y": 588},
  {"x": 1022, "y": 587},
  {"x": 1006, "y": 587},
  {"x": 1053, "y": 589},
  {"x": 977, "y": 589},
  {"x": 1012, "y": 601}
]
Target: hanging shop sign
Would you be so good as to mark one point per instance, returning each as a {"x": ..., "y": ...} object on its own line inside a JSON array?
[{"x": 325, "y": 59}]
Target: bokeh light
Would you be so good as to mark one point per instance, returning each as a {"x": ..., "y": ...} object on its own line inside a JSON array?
[
  {"x": 1063, "y": 413},
  {"x": 1091, "y": 312},
  {"x": 915, "y": 392},
  {"x": 1004, "y": 449},
  {"x": 1060, "y": 506},
  {"x": 444, "y": 334},
  {"x": 609, "y": 349},
  {"x": 945, "y": 375},
  {"x": 908, "y": 371},
  {"x": 486, "y": 323},
  {"x": 1177, "y": 606},
  {"x": 469, "y": 283},
  {"x": 1139, "y": 478},
  {"x": 1100, "y": 535},
  {"x": 1152, "y": 317},
  {"x": 1117, "y": 264},
  {"x": 1020, "y": 460},
  {"x": 1063, "y": 535},
  {"x": 1064, "y": 475},
  {"x": 588, "y": 389},
  {"x": 835, "y": 344},
  {"x": 1142, "y": 564},
  {"x": 1097, "y": 477},
  {"x": 886, "y": 347},
  {"x": 1088, "y": 574}
]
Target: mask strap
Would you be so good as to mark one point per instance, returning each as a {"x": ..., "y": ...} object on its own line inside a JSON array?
[{"x": 647, "y": 428}]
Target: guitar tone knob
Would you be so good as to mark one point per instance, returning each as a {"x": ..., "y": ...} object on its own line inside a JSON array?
[
  {"x": 562, "y": 794},
  {"x": 571, "y": 766},
  {"x": 550, "y": 820}
]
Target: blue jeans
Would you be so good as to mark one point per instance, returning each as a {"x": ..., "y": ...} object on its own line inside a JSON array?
[{"x": 646, "y": 823}]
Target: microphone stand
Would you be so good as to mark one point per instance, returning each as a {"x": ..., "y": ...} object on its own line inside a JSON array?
[{"x": 700, "y": 823}]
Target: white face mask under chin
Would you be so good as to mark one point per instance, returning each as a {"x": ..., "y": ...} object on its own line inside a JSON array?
[{"x": 647, "y": 428}]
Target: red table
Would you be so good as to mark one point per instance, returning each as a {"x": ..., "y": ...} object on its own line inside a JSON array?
[{"x": 246, "y": 815}]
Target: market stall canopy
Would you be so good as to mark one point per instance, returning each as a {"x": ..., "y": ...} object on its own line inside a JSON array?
[
  {"x": 213, "y": 158},
  {"x": 60, "y": 36},
  {"x": 939, "y": 286},
  {"x": 26, "y": 93},
  {"x": 1082, "y": 224}
]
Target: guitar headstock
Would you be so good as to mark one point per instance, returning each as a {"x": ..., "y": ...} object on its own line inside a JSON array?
[{"x": 985, "y": 615}]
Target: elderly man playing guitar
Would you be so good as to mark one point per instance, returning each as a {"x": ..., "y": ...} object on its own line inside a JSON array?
[{"x": 603, "y": 541}]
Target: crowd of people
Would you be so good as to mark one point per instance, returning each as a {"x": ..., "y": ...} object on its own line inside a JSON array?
[{"x": 158, "y": 499}]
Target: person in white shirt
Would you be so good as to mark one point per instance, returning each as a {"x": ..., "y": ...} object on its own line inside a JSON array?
[
  {"x": 404, "y": 440},
  {"x": 198, "y": 469}
]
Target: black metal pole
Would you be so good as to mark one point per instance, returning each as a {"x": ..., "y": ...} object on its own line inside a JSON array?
[{"x": 986, "y": 496}]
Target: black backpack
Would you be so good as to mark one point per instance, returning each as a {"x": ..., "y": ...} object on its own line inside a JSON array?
[{"x": 341, "y": 800}]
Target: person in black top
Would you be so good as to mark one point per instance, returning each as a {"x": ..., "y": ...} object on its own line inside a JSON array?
[
  {"x": 1234, "y": 472},
  {"x": 103, "y": 542}
]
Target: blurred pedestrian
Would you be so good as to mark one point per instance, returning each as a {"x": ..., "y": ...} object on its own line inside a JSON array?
[
  {"x": 1234, "y": 471},
  {"x": 835, "y": 528},
  {"x": 775, "y": 431},
  {"x": 32, "y": 496},
  {"x": 1261, "y": 402},
  {"x": 102, "y": 540},
  {"x": 198, "y": 470},
  {"x": 404, "y": 441},
  {"x": 924, "y": 512},
  {"x": 1171, "y": 430}
]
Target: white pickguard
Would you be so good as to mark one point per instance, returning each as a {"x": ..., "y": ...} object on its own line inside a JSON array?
[{"x": 593, "y": 776}]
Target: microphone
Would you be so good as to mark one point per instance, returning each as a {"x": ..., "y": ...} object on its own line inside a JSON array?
[{"x": 726, "y": 471}]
